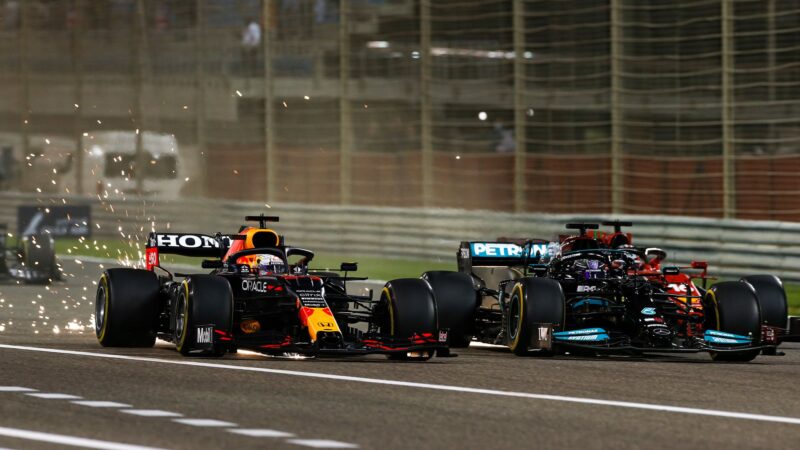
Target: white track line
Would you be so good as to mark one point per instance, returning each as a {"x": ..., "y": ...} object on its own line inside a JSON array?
[
  {"x": 150, "y": 413},
  {"x": 101, "y": 404},
  {"x": 438, "y": 387},
  {"x": 68, "y": 440},
  {"x": 16, "y": 389},
  {"x": 321, "y": 443},
  {"x": 55, "y": 396},
  {"x": 260, "y": 432},
  {"x": 205, "y": 422}
]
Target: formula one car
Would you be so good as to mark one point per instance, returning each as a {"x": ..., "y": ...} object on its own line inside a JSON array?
[
  {"x": 32, "y": 260},
  {"x": 262, "y": 297},
  {"x": 595, "y": 292}
]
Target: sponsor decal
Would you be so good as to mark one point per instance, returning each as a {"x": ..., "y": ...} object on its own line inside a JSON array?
[
  {"x": 543, "y": 333},
  {"x": 442, "y": 336},
  {"x": 186, "y": 241},
  {"x": 311, "y": 298},
  {"x": 660, "y": 331},
  {"x": 244, "y": 268},
  {"x": 721, "y": 337},
  {"x": 504, "y": 250},
  {"x": 584, "y": 331},
  {"x": 464, "y": 253},
  {"x": 722, "y": 340},
  {"x": 205, "y": 334},
  {"x": 677, "y": 288},
  {"x": 255, "y": 286},
  {"x": 648, "y": 311},
  {"x": 586, "y": 335},
  {"x": 586, "y": 288},
  {"x": 326, "y": 325},
  {"x": 151, "y": 258}
]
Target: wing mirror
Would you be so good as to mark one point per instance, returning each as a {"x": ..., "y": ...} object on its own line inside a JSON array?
[
  {"x": 211, "y": 264},
  {"x": 348, "y": 267},
  {"x": 655, "y": 254}
]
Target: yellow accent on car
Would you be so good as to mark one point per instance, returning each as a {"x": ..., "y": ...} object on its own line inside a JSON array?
[
  {"x": 321, "y": 321},
  {"x": 522, "y": 318},
  {"x": 185, "y": 316},
  {"x": 104, "y": 327},
  {"x": 713, "y": 296},
  {"x": 389, "y": 307}
]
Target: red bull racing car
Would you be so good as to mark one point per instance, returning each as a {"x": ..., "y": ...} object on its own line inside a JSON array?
[
  {"x": 261, "y": 296},
  {"x": 595, "y": 292}
]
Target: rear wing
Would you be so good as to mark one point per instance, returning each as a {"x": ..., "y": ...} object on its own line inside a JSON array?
[
  {"x": 506, "y": 254},
  {"x": 185, "y": 244}
]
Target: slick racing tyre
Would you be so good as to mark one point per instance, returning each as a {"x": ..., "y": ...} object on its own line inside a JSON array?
[
  {"x": 407, "y": 306},
  {"x": 126, "y": 308},
  {"x": 203, "y": 300},
  {"x": 772, "y": 300},
  {"x": 733, "y": 308},
  {"x": 533, "y": 301},
  {"x": 39, "y": 254},
  {"x": 456, "y": 304}
]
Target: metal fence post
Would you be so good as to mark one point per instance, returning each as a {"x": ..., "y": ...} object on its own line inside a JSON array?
[
  {"x": 617, "y": 180},
  {"x": 425, "y": 104},
  {"x": 24, "y": 74},
  {"x": 520, "y": 107},
  {"x": 345, "y": 118},
  {"x": 139, "y": 71},
  {"x": 77, "y": 66},
  {"x": 728, "y": 181},
  {"x": 200, "y": 93},
  {"x": 269, "y": 103}
]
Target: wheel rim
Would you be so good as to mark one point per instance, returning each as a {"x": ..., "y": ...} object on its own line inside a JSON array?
[
  {"x": 100, "y": 309},
  {"x": 513, "y": 317}
]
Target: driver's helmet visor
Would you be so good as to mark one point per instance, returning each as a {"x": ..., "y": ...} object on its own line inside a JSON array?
[
  {"x": 267, "y": 264},
  {"x": 593, "y": 269}
]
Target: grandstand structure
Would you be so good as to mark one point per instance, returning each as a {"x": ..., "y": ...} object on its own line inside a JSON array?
[{"x": 686, "y": 107}]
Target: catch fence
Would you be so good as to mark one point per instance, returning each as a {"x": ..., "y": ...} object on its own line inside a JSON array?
[{"x": 686, "y": 107}]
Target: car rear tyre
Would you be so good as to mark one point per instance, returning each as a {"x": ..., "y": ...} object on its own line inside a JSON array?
[
  {"x": 533, "y": 301},
  {"x": 203, "y": 300},
  {"x": 126, "y": 308},
  {"x": 456, "y": 304},
  {"x": 407, "y": 307},
  {"x": 772, "y": 300},
  {"x": 734, "y": 309},
  {"x": 39, "y": 254}
]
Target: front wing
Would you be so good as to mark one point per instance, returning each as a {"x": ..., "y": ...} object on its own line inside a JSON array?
[
  {"x": 368, "y": 343},
  {"x": 603, "y": 341}
]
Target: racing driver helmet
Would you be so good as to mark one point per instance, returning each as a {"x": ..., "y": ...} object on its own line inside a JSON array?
[{"x": 267, "y": 264}]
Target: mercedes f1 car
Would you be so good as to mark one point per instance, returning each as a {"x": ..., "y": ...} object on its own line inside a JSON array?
[
  {"x": 595, "y": 292},
  {"x": 31, "y": 260},
  {"x": 261, "y": 296}
]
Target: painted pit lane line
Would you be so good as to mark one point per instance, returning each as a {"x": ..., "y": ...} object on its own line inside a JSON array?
[
  {"x": 207, "y": 423},
  {"x": 437, "y": 387},
  {"x": 72, "y": 441}
]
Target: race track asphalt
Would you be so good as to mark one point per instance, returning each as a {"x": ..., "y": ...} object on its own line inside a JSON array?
[{"x": 485, "y": 398}]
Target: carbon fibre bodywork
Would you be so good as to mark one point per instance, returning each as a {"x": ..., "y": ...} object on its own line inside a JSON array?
[
  {"x": 613, "y": 297},
  {"x": 278, "y": 308}
]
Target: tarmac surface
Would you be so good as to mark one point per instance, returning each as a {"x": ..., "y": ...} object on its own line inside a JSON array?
[{"x": 60, "y": 389}]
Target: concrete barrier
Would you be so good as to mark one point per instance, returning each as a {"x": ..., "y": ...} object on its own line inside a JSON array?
[{"x": 732, "y": 247}]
